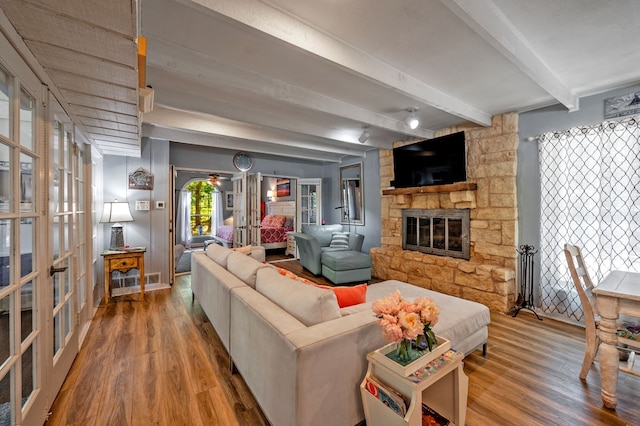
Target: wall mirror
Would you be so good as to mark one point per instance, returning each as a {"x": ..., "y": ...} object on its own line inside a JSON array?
[{"x": 351, "y": 195}]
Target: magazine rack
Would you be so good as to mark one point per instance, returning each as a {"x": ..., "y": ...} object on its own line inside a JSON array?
[{"x": 441, "y": 384}]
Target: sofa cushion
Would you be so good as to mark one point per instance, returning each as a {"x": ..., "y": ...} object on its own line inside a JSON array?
[
  {"x": 218, "y": 254},
  {"x": 339, "y": 240},
  {"x": 308, "y": 304},
  {"x": 244, "y": 267}
]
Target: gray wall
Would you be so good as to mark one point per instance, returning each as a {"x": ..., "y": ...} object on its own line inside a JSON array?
[
  {"x": 149, "y": 228},
  {"x": 199, "y": 157},
  {"x": 532, "y": 124}
]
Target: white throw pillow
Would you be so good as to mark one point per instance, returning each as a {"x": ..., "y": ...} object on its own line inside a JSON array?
[
  {"x": 339, "y": 240},
  {"x": 308, "y": 304}
]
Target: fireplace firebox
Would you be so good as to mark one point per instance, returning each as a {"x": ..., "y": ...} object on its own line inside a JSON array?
[{"x": 443, "y": 232}]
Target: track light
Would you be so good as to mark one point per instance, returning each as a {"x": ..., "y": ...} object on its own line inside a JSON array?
[
  {"x": 412, "y": 121},
  {"x": 365, "y": 134}
]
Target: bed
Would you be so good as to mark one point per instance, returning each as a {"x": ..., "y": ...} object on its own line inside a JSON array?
[
  {"x": 277, "y": 222},
  {"x": 273, "y": 228}
]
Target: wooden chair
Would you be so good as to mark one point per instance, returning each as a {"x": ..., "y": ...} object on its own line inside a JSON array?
[{"x": 584, "y": 287}]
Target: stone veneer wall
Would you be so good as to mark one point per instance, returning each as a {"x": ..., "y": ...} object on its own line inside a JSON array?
[{"x": 489, "y": 276}]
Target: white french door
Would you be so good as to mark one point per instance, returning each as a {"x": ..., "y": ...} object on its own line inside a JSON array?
[
  {"x": 23, "y": 277},
  {"x": 61, "y": 236},
  {"x": 45, "y": 250},
  {"x": 240, "y": 231},
  {"x": 253, "y": 208}
]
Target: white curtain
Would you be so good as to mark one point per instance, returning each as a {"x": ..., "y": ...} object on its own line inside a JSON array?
[
  {"x": 183, "y": 218},
  {"x": 217, "y": 217},
  {"x": 590, "y": 197}
]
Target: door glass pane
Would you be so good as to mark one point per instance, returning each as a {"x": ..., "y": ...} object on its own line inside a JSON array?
[
  {"x": 455, "y": 234},
  {"x": 58, "y": 223},
  {"x": 5, "y": 325},
  {"x": 67, "y": 232},
  {"x": 27, "y": 243},
  {"x": 67, "y": 149},
  {"x": 5, "y": 178},
  {"x": 67, "y": 277},
  {"x": 67, "y": 318},
  {"x": 5, "y": 399},
  {"x": 56, "y": 289},
  {"x": 56, "y": 144},
  {"x": 5, "y": 110},
  {"x": 6, "y": 263},
  {"x": 57, "y": 337},
  {"x": 28, "y": 373},
  {"x": 26, "y": 183},
  {"x": 27, "y": 109},
  {"x": 27, "y": 316}
]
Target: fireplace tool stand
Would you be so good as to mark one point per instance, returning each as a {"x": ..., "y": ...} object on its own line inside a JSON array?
[{"x": 525, "y": 297}]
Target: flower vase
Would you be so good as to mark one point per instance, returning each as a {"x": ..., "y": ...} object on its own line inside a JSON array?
[{"x": 405, "y": 352}]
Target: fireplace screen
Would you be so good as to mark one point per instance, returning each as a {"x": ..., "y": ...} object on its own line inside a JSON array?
[{"x": 440, "y": 232}]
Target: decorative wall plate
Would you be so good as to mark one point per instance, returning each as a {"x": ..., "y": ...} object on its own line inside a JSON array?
[{"x": 242, "y": 162}]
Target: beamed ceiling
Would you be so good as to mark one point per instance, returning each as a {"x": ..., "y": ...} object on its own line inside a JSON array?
[{"x": 302, "y": 78}]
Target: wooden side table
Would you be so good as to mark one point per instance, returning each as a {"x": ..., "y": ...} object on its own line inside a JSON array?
[{"x": 123, "y": 261}]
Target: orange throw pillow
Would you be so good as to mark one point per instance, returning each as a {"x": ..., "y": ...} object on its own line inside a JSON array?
[{"x": 350, "y": 295}]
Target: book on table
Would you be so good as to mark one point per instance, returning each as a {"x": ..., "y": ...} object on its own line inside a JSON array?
[
  {"x": 431, "y": 417},
  {"x": 387, "y": 396}
]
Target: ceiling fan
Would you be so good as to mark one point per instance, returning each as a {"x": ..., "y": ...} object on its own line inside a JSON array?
[{"x": 215, "y": 179}]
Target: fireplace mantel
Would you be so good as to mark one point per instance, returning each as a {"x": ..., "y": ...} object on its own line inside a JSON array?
[{"x": 453, "y": 187}]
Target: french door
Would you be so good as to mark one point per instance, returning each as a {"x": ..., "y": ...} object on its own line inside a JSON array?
[{"x": 45, "y": 257}]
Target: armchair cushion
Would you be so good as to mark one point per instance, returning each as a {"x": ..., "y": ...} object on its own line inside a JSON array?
[{"x": 339, "y": 240}]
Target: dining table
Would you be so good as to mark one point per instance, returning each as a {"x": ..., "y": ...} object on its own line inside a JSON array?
[{"x": 617, "y": 294}]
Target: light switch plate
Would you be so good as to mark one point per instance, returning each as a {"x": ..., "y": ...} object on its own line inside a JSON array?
[
  {"x": 160, "y": 204},
  {"x": 142, "y": 205}
]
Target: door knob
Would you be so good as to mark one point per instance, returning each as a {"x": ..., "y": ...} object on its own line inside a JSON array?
[{"x": 53, "y": 270}]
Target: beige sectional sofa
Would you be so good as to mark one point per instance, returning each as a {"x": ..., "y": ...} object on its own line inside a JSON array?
[{"x": 300, "y": 354}]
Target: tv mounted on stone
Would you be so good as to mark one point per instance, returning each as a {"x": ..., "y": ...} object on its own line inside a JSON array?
[{"x": 437, "y": 161}]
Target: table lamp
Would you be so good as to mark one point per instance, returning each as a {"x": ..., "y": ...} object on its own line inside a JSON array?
[{"x": 116, "y": 212}]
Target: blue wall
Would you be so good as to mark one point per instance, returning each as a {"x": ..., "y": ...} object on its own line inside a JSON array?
[{"x": 532, "y": 124}]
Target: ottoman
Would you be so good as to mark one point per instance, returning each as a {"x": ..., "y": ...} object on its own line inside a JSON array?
[{"x": 346, "y": 266}]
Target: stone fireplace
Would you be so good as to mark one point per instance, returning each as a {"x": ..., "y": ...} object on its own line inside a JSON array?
[{"x": 489, "y": 194}]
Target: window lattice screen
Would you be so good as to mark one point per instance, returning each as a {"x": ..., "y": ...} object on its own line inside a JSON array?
[{"x": 590, "y": 197}]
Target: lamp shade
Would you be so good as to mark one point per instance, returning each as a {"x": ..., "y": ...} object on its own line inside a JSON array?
[{"x": 115, "y": 211}]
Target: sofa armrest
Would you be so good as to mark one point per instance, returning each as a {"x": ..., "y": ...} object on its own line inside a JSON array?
[{"x": 310, "y": 252}]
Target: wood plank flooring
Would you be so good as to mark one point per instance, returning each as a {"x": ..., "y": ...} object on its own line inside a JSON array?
[{"x": 160, "y": 362}]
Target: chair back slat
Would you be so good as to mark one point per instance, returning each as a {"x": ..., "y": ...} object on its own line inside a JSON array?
[{"x": 581, "y": 280}]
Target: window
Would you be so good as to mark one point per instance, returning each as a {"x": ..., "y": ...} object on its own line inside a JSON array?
[{"x": 201, "y": 207}]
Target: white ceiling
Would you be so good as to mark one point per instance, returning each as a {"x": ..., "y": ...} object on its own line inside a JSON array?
[{"x": 301, "y": 78}]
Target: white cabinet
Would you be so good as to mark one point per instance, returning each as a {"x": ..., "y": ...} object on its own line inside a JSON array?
[
  {"x": 444, "y": 390},
  {"x": 309, "y": 202}
]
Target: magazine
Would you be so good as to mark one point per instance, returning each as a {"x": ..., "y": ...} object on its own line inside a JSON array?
[
  {"x": 431, "y": 417},
  {"x": 387, "y": 396}
]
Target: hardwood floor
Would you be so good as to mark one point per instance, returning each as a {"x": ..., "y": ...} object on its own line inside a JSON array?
[{"x": 161, "y": 362}]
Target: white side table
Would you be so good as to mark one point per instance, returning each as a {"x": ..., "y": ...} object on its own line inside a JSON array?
[
  {"x": 444, "y": 390},
  {"x": 291, "y": 245}
]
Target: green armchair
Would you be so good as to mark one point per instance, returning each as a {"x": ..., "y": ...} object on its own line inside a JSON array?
[{"x": 315, "y": 239}]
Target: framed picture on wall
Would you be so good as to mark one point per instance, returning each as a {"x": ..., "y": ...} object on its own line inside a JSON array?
[
  {"x": 283, "y": 187},
  {"x": 228, "y": 200}
]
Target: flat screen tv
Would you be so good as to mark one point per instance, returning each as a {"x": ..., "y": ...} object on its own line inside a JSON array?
[{"x": 437, "y": 161}]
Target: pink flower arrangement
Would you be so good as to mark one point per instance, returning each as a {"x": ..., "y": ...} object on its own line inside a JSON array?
[{"x": 400, "y": 319}]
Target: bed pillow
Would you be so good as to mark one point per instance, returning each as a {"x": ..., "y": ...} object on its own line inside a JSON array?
[
  {"x": 339, "y": 240},
  {"x": 270, "y": 221},
  {"x": 288, "y": 223}
]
